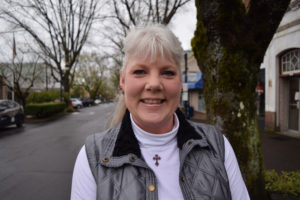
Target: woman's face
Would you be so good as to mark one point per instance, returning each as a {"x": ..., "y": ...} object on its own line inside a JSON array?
[{"x": 152, "y": 92}]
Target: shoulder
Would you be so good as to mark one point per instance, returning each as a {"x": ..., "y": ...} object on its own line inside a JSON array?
[
  {"x": 97, "y": 139},
  {"x": 208, "y": 131},
  {"x": 212, "y": 134},
  {"x": 99, "y": 142}
]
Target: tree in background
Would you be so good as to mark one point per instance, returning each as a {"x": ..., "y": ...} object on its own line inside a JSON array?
[
  {"x": 129, "y": 13},
  {"x": 92, "y": 75},
  {"x": 77, "y": 91},
  {"x": 229, "y": 44},
  {"x": 115, "y": 77},
  {"x": 20, "y": 77},
  {"x": 59, "y": 28},
  {"x": 107, "y": 92}
]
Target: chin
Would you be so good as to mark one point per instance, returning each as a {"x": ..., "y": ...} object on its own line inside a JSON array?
[{"x": 155, "y": 119}]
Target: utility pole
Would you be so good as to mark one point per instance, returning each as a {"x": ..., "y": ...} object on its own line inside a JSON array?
[
  {"x": 185, "y": 87},
  {"x": 14, "y": 54}
]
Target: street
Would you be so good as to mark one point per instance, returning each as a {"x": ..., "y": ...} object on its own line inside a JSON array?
[{"x": 36, "y": 161}]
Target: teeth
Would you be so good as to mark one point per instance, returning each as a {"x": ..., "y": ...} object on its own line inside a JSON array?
[{"x": 152, "y": 101}]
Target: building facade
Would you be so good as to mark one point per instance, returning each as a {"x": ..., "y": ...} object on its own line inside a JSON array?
[
  {"x": 194, "y": 86},
  {"x": 3, "y": 89},
  {"x": 282, "y": 75},
  {"x": 23, "y": 72}
]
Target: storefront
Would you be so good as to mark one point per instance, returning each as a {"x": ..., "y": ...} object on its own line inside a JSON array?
[
  {"x": 282, "y": 75},
  {"x": 193, "y": 87},
  {"x": 289, "y": 96}
]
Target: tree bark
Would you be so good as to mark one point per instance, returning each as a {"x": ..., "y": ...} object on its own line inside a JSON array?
[{"x": 229, "y": 45}]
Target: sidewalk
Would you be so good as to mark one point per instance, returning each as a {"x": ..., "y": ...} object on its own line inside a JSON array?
[
  {"x": 280, "y": 152},
  {"x": 32, "y": 119}
]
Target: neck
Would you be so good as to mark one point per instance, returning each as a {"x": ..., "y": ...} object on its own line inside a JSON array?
[
  {"x": 161, "y": 128},
  {"x": 147, "y": 139}
]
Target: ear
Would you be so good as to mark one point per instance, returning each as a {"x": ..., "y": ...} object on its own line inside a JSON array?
[{"x": 122, "y": 81}]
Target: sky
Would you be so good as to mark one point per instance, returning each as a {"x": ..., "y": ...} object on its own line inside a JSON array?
[{"x": 184, "y": 24}]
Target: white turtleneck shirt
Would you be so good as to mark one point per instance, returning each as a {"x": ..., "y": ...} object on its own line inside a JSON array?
[
  {"x": 166, "y": 169},
  {"x": 161, "y": 154}
]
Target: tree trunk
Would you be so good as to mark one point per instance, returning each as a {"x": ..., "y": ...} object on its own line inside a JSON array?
[
  {"x": 229, "y": 45},
  {"x": 66, "y": 84}
]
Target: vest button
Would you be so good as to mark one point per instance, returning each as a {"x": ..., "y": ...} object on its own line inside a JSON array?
[
  {"x": 182, "y": 179},
  {"x": 105, "y": 159},
  {"x": 190, "y": 142},
  {"x": 131, "y": 159},
  {"x": 151, "y": 188}
]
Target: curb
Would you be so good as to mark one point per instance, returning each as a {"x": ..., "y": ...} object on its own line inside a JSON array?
[{"x": 32, "y": 119}]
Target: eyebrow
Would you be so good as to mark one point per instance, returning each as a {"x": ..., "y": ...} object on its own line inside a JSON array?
[
  {"x": 167, "y": 66},
  {"x": 139, "y": 65}
]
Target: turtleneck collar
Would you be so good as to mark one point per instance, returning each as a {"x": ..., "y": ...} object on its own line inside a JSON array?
[
  {"x": 126, "y": 141},
  {"x": 147, "y": 139}
]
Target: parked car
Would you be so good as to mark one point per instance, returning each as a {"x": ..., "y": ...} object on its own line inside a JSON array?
[
  {"x": 97, "y": 101},
  {"x": 76, "y": 103},
  {"x": 87, "y": 101},
  {"x": 11, "y": 113}
]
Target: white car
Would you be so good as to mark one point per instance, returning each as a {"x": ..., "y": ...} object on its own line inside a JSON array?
[
  {"x": 76, "y": 103},
  {"x": 97, "y": 101}
]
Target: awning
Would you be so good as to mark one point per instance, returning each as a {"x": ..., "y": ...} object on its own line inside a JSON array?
[{"x": 196, "y": 84}]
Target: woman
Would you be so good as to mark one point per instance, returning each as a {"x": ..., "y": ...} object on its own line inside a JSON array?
[{"x": 153, "y": 152}]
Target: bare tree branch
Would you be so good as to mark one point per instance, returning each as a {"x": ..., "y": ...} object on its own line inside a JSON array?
[
  {"x": 129, "y": 13},
  {"x": 60, "y": 28}
]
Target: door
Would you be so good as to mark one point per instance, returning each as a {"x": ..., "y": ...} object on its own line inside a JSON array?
[{"x": 293, "y": 108}]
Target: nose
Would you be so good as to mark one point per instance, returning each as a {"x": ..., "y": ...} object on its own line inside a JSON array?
[{"x": 154, "y": 83}]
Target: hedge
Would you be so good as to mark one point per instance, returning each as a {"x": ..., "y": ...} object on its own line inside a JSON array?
[
  {"x": 44, "y": 109},
  {"x": 286, "y": 183},
  {"x": 47, "y": 96}
]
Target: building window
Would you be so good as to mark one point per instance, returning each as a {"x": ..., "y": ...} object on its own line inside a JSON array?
[
  {"x": 290, "y": 63},
  {"x": 201, "y": 103}
]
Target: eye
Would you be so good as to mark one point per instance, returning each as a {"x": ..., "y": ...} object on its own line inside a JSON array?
[
  {"x": 169, "y": 73},
  {"x": 139, "y": 72}
]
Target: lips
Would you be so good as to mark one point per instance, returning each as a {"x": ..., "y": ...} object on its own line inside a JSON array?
[{"x": 153, "y": 101}]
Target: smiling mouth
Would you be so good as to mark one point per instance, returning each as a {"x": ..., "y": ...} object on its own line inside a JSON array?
[{"x": 153, "y": 101}]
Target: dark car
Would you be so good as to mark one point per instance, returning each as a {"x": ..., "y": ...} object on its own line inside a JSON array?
[
  {"x": 87, "y": 102},
  {"x": 11, "y": 113}
]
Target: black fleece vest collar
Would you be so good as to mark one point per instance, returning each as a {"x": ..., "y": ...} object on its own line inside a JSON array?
[{"x": 127, "y": 142}]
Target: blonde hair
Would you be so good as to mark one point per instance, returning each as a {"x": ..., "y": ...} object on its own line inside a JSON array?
[{"x": 147, "y": 42}]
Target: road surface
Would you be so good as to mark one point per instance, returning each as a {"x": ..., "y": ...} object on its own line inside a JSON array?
[{"x": 36, "y": 162}]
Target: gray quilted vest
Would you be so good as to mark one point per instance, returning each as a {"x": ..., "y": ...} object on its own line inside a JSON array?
[{"x": 121, "y": 173}]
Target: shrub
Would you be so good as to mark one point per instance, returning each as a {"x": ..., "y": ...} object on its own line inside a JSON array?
[
  {"x": 47, "y": 96},
  {"x": 43, "y": 96},
  {"x": 44, "y": 109},
  {"x": 286, "y": 183}
]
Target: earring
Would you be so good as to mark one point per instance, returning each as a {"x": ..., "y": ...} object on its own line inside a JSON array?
[{"x": 121, "y": 90}]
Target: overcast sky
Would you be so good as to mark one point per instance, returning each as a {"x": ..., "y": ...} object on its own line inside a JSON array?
[{"x": 184, "y": 25}]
